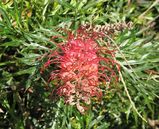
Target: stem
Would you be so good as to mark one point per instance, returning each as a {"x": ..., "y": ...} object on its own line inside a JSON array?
[
  {"x": 128, "y": 95},
  {"x": 124, "y": 84}
]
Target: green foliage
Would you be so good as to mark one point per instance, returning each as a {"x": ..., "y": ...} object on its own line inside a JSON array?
[{"x": 25, "y": 95}]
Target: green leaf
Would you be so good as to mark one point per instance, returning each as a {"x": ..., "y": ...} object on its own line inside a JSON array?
[
  {"x": 6, "y": 17},
  {"x": 11, "y": 44},
  {"x": 30, "y": 70},
  {"x": 96, "y": 121},
  {"x": 6, "y": 63}
]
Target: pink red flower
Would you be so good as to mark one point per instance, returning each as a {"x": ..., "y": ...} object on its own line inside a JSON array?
[{"x": 81, "y": 66}]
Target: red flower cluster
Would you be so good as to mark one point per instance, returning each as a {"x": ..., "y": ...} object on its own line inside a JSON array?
[{"x": 81, "y": 66}]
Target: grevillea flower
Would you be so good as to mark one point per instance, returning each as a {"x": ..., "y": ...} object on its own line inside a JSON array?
[{"x": 80, "y": 66}]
